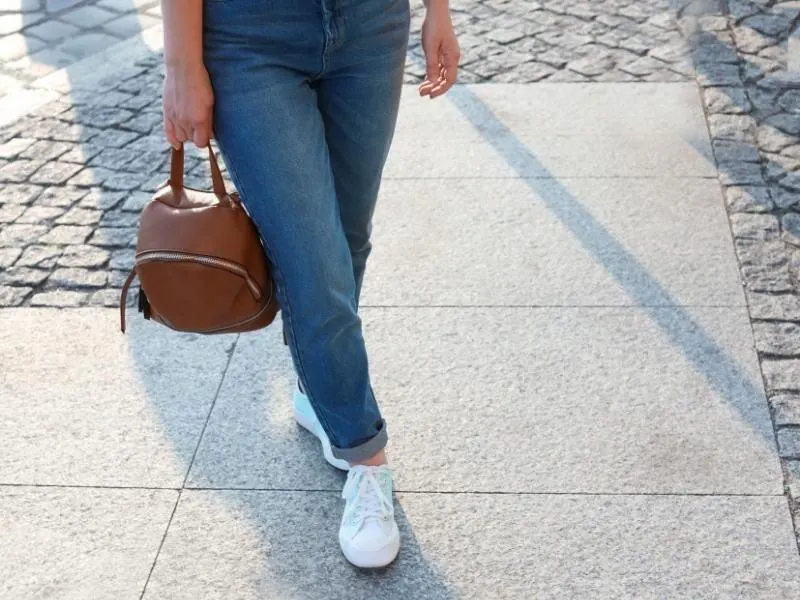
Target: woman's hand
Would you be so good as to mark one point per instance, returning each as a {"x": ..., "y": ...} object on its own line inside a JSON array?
[
  {"x": 441, "y": 50},
  {"x": 188, "y": 105}
]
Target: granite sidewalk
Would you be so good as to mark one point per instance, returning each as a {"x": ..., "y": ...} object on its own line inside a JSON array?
[
  {"x": 560, "y": 341},
  {"x": 588, "y": 395}
]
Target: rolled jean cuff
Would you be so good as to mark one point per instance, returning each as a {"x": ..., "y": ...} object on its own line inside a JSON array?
[{"x": 363, "y": 451}]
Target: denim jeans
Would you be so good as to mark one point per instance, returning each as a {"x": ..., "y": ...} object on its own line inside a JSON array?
[{"x": 306, "y": 99}]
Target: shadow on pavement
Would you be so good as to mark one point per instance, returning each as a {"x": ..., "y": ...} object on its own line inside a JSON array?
[
  {"x": 261, "y": 482},
  {"x": 707, "y": 357}
]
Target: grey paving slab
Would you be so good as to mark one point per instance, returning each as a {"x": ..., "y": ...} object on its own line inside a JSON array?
[
  {"x": 126, "y": 5},
  {"x": 43, "y": 61},
  {"x": 52, "y": 31},
  {"x": 561, "y": 109},
  {"x": 521, "y": 400},
  {"x": 596, "y": 155},
  {"x": 85, "y": 405},
  {"x": 87, "y": 44},
  {"x": 552, "y": 130},
  {"x": 252, "y": 439},
  {"x": 248, "y": 545},
  {"x": 613, "y": 108},
  {"x": 555, "y": 242},
  {"x": 564, "y": 400},
  {"x": 87, "y": 16},
  {"x": 11, "y": 23},
  {"x": 79, "y": 543},
  {"x": 59, "y": 5},
  {"x": 15, "y": 45},
  {"x": 130, "y": 25},
  {"x": 25, "y": 6}
]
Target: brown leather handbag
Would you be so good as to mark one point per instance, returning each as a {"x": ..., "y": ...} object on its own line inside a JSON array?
[{"x": 199, "y": 260}]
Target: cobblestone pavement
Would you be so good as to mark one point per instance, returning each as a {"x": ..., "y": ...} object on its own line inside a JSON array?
[
  {"x": 753, "y": 107},
  {"x": 76, "y": 172},
  {"x": 40, "y": 36}
]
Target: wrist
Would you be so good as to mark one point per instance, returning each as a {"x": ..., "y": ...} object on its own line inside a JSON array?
[
  {"x": 183, "y": 64},
  {"x": 438, "y": 10}
]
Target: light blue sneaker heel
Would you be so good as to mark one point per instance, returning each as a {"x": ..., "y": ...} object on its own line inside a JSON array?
[{"x": 306, "y": 417}]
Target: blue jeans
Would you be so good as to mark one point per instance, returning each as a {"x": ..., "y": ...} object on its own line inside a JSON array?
[{"x": 306, "y": 99}]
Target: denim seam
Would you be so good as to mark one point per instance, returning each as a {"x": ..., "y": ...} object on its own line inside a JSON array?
[
  {"x": 327, "y": 36},
  {"x": 287, "y": 310}
]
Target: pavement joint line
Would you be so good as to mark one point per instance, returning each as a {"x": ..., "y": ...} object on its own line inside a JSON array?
[
  {"x": 397, "y": 491},
  {"x": 454, "y": 306},
  {"x": 160, "y": 545},
  {"x": 547, "y": 306},
  {"x": 550, "y": 177},
  {"x": 77, "y": 486},
  {"x": 231, "y": 352},
  {"x": 501, "y": 493}
]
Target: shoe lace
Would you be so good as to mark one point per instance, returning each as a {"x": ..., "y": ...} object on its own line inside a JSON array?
[{"x": 366, "y": 498}]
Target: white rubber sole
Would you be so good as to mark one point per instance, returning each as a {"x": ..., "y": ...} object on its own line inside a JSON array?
[
  {"x": 373, "y": 560},
  {"x": 307, "y": 419}
]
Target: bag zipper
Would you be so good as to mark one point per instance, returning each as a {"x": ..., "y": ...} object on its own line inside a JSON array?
[{"x": 164, "y": 256}]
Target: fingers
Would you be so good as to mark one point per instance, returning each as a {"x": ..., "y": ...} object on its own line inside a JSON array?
[
  {"x": 450, "y": 63},
  {"x": 198, "y": 132},
  {"x": 201, "y": 131},
  {"x": 445, "y": 80},
  {"x": 439, "y": 82},
  {"x": 200, "y": 136},
  {"x": 441, "y": 86},
  {"x": 188, "y": 103},
  {"x": 431, "y": 82},
  {"x": 169, "y": 132},
  {"x": 181, "y": 132},
  {"x": 432, "y": 65}
]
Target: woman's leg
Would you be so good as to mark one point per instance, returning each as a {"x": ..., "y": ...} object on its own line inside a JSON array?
[
  {"x": 279, "y": 73},
  {"x": 359, "y": 97},
  {"x": 271, "y": 133}
]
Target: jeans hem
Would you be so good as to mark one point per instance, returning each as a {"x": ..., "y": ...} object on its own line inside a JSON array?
[{"x": 363, "y": 451}]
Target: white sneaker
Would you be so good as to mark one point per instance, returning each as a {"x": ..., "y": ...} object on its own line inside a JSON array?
[
  {"x": 304, "y": 414},
  {"x": 369, "y": 536}
]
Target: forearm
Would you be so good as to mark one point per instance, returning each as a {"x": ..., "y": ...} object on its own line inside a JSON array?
[
  {"x": 183, "y": 31},
  {"x": 436, "y": 3}
]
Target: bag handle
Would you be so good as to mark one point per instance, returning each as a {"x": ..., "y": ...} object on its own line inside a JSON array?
[
  {"x": 123, "y": 301},
  {"x": 176, "y": 172}
]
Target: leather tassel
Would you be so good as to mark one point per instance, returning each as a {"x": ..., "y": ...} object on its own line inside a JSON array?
[{"x": 144, "y": 305}]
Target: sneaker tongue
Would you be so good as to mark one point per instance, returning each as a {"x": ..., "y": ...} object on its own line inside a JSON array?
[
  {"x": 372, "y": 504},
  {"x": 371, "y": 508},
  {"x": 371, "y": 529}
]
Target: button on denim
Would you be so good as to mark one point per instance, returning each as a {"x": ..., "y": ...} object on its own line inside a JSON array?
[{"x": 306, "y": 100}]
